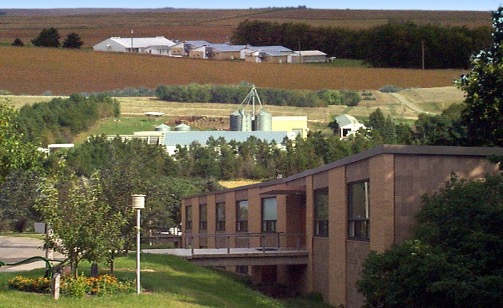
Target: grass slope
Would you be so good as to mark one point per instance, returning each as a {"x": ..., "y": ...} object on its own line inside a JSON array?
[{"x": 168, "y": 282}]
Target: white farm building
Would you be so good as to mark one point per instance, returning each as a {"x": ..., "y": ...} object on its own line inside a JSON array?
[{"x": 152, "y": 45}]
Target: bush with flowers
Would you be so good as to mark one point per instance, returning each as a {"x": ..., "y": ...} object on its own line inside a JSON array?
[{"x": 77, "y": 287}]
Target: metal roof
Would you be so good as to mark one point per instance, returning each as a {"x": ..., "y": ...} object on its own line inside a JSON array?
[
  {"x": 309, "y": 53},
  {"x": 346, "y": 119},
  {"x": 227, "y": 47},
  {"x": 197, "y": 43},
  {"x": 142, "y": 42},
  {"x": 270, "y": 48},
  {"x": 185, "y": 138}
]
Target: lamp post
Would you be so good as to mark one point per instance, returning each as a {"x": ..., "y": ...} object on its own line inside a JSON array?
[{"x": 138, "y": 204}]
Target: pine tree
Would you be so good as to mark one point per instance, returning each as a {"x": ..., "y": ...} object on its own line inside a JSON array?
[
  {"x": 48, "y": 37},
  {"x": 73, "y": 40}
]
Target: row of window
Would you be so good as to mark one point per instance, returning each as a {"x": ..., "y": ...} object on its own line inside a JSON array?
[
  {"x": 358, "y": 213},
  {"x": 269, "y": 216}
]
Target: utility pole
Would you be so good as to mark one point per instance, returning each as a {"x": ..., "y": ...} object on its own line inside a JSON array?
[{"x": 300, "y": 53}]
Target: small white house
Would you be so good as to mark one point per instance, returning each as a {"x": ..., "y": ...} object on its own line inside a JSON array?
[
  {"x": 348, "y": 125},
  {"x": 134, "y": 44}
]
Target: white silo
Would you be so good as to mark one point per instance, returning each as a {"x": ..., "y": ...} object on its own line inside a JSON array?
[
  {"x": 182, "y": 128},
  {"x": 264, "y": 121}
]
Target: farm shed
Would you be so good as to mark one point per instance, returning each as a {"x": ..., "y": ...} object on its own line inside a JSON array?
[
  {"x": 307, "y": 56},
  {"x": 182, "y": 49},
  {"x": 225, "y": 51},
  {"x": 268, "y": 54},
  {"x": 132, "y": 44},
  {"x": 348, "y": 125}
]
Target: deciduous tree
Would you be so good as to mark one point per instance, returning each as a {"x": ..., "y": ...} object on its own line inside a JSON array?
[
  {"x": 484, "y": 91},
  {"x": 83, "y": 225},
  {"x": 455, "y": 259}
]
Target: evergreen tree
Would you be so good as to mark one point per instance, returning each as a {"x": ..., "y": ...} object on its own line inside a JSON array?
[
  {"x": 73, "y": 40},
  {"x": 48, "y": 37},
  {"x": 17, "y": 42}
]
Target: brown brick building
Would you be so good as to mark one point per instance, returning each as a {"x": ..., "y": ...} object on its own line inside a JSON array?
[{"x": 337, "y": 213}]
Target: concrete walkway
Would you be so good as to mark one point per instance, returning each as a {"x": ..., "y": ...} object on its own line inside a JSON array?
[{"x": 15, "y": 249}]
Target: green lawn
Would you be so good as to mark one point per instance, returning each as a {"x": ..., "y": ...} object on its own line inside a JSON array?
[{"x": 167, "y": 281}]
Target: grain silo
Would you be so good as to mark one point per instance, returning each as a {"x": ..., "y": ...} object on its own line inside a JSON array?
[
  {"x": 247, "y": 124},
  {"x": 182, "y": 128},
  {"x": 240, "y": 120},
  {"x": 162, "y": 128},
  {"x": 236, "y": 120},
  {"x": 264, "y": 121}
]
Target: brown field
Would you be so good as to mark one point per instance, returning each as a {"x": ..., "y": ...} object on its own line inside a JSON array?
[
  {"x": 30, "y": 70},
  {"x": 211, "y": 25}
]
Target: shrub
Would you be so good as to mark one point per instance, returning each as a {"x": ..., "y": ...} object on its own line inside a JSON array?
[
  {"x": 390, "y": 89},
  {"x": 37, "y": 285},
  {"x": 17, "y": 42},
  {"x": 350, "y": 98},
  {"x": 75, "y": 287}
]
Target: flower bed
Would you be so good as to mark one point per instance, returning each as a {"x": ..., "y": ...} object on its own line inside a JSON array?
[{"x": 78, "y": 287}]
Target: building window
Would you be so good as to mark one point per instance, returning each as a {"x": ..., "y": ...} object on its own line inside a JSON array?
[
  {"x": 242, "y": 216},
  {"x": 203, "y": 217},
  {"x": 220, "y": 215},
  {"x": 269, "y": 215},
  {"x": 188, "y": 217},
  {"x": 358, "y": 210},
  {"x": 321, "y": 212}
]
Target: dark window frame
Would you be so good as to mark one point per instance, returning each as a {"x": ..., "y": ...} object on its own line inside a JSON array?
[
  {"x": 219, "y": 224},
  {"x": 188, "y": 217},
  {"x": 321, "y": 224},
  {"x": 241, "y": 222},
  {"x": 359, "y": 225},
  {"x": 203, "y": 211}
]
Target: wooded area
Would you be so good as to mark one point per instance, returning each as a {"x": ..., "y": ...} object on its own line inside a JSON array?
[{"x": 401, "y": 44}]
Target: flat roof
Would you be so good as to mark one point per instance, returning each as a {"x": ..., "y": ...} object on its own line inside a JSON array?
[{"x": 383, "y": 149}]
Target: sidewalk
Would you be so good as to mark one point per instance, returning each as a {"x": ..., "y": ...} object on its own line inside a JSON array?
[{"x": 14, "y": 249}]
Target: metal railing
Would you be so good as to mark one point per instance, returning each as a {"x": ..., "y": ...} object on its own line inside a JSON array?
[{"x": 280, "y": 240}]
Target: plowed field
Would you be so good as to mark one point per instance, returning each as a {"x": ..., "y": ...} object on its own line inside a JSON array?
[{"x": 38, "y": 70}]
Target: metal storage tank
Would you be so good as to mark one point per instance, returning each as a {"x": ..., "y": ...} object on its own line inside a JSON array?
[
  {"x": 182, "y": 128},
  {"x": 264, "y": 121},
  {"x": 162, "y": 128},
  {"x": 247, "y": 123},
  {"x": 236, "y": 121}
]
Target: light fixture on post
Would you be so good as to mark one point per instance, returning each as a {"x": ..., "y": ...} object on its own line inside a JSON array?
[{"x": 138, "y": 205}]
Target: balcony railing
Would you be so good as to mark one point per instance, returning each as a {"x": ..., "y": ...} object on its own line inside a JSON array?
[{"x": 268, "y": 241}]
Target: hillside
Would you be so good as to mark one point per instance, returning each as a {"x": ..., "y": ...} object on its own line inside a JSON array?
[{"x": 406, "y": 104}]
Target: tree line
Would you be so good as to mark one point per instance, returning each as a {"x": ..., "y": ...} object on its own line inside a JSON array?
[
  {"x": 50, "y": 37},
  {"x": 230, "y": 94},
  {"x": 401, "y": 44},
  {"x": 60, "y": 119}
]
